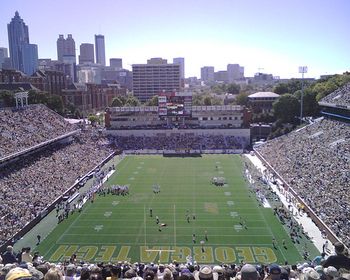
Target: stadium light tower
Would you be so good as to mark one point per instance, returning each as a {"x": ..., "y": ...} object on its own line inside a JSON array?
[{"x": 302, "y": 70}]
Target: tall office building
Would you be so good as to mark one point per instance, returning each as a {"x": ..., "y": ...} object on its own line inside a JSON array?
[
  {"x": 29, "y": 58},
  {"x": 181, "y": 62},
  {"x": 116, "y": 63},
  {"x": 86, "y": 53},
  {"x": 155, "y": 77},
  {"x": 66, "y": 55},
  {"x": 24, "y": 56},
  {"x": 3, "y": 55},
  {"x": 100, "y": 49},
  {"x": 65, "y": 47},
  {"x": 234, "y": 72},
  {"x": 207, "y": 74}
]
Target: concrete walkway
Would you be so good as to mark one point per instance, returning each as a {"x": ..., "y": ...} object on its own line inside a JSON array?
[{"x": 309, "y": 226}]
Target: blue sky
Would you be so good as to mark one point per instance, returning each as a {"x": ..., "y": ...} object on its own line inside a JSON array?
[{"x": 276, "y": 36}]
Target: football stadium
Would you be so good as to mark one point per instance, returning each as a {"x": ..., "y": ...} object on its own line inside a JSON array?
[{"x": 174, "y": 189}]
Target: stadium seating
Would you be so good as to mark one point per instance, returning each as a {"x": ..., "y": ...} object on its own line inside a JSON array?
[
  {"x": 315, "y": 162},
  {"x": 179, "y": 141},
  {"x": 27, "y": 127},
  {"x": 340, "y": 96},
  {"x": 33, "y": 182}
]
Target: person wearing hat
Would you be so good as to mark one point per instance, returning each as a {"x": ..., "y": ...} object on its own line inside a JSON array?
[
  {"x": 18, "y": 273},
  {"x": 205, "y": 273},
  {"x": 339, "y": 260},
  {"x": 310, "y": 274},
  {"x": 249, "y": 272},
  {"x": 331, "y": 272},
  {"x": 274, "y": 272}
]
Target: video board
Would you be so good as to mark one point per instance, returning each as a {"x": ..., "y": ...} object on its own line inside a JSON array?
[{"x": 175, "y": 104}]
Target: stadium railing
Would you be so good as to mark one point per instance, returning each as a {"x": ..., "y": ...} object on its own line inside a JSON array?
[{"x": 36, "y": 147}]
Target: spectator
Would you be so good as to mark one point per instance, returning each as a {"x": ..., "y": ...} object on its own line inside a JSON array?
[
  {"x": 9, "y": 256},
  {"x": 316, "y": 157},
  {"x": 26, "y": 256},
  {"x": 249, "y": 272},
  {"x": 274, "y": 272},
  {"x": 17, "y": 274},
  {"x": 54, "y": 274},
  {"x": 340, "y": 259}
]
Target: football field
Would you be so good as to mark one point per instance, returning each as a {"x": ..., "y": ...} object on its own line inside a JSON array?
[{"x": 213, "y": 224}]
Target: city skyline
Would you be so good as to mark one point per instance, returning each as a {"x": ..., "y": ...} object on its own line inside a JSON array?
[{"x": 261, "y": 36}]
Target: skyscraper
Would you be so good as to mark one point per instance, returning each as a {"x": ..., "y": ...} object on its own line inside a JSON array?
[
  {"x": 116, "y": 63},
  {"x": 234, "y": 72},
  {"x": 65, "y": 47},
  {"x": 155, "y": 77},
  {"x": 66, "y": 55},
  {"x": 3, "y": 55},
  {"x": 100, "y": 49},
  {"x": 24, "y": 56},
  {"x": 86, "y": 53},
  {"x": 181, "y": 61},
  {"x": 207, "y": 74}
]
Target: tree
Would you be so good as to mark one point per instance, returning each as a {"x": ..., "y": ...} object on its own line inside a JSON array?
[
  {"x": 310, "y": 105},
  {"x": 153, "y": 101},
  {"x": 93, "y": 119},
  {"x": 7, "y": 99},
  {"x": 219, "y": 88},
  {"x": 132, "y": 101},
  {"x": 281, "y": 88},
  {"x": 54, "y": 102},
  {"x": 286, "y": 108},
  {"x": 207, "y": 100},
  {"x": 36, "y": 97},
  {"x": 233, "y": 88},
  {"x": 197, "y": 99},
  {"x": 242, "y": 99},
  {"x": 117, "y": 102}
]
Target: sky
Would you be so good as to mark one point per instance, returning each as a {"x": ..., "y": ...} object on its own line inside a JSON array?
[{"x": 268, "y": 36}]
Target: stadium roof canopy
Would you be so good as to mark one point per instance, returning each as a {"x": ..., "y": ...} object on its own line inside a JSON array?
[{"x": 264, "y": 94}]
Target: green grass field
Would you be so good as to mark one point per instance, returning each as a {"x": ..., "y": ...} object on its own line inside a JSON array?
[{"x": 116, "y": 228}]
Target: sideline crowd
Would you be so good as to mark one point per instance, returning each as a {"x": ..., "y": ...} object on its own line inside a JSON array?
[{"x": 315, "y": 162}]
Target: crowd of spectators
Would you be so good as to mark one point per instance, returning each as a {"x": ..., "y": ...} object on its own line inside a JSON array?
[
  {"x": 340, "y": 96},
  {"x": 335, "y": 267},
  {"x": 315, "y": 162},
  {"x": 32, "y": 182},
  {"x": 26, "y": 127},
  {"x": 176, "y": 141}
]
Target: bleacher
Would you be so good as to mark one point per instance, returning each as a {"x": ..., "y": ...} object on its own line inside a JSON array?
[{"x": 42, "y": 157}]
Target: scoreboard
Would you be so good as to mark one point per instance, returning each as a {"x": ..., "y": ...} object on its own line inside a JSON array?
[{"x": 175, "y": 104}]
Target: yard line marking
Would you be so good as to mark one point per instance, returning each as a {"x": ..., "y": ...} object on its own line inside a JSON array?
[
  {"x": 98, "y": 228},
  {"x": 170, "y": 235},
  {"x": 186, "y": 244},
  {"x": 107, "y": 214}
]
